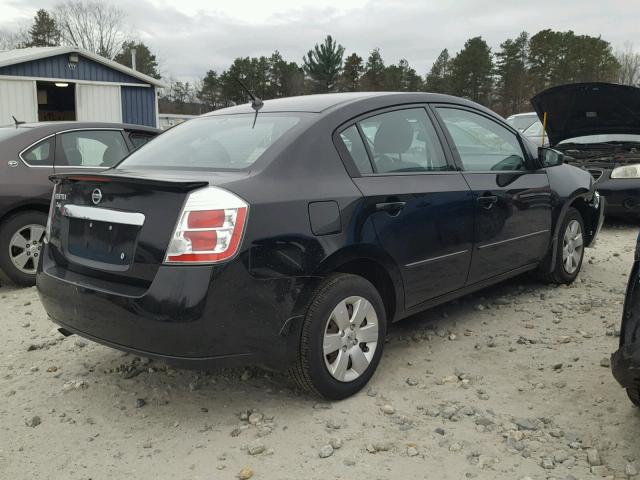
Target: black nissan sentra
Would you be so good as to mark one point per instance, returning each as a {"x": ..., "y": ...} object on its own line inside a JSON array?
[{"x": 290, "y": 236}]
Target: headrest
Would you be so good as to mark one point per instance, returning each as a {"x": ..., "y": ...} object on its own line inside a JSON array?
[{"x": 394, "y": 135}]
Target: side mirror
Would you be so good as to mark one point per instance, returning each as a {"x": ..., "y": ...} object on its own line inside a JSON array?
[{"x": 549, "y": 157}]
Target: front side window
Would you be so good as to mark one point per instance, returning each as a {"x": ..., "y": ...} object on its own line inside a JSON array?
[
  {"x": 91, "y": 148},
  {"x": 40, "y": 154},
  {"x": 403, "y": 141},
  {"x": 482, "y": 144},
  {"x": 228, "y": 142}
]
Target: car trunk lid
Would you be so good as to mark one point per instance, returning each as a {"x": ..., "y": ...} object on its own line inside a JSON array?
[{"x": 116, "y": 227}]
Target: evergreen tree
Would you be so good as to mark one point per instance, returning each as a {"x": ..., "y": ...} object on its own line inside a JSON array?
[
  {"x": 44, "y": 32},
  {"x": 373, "y": 78},
  {"x": 512, "y": 75},
  {"x": 471, "y": 71},
  {"x": 351, "y": 73},
  {"x": 210, "y": 92},
  {"x": 323, "y": 64},
  {"x": 401, "y": 78},
  {"x": 145, "y": 60},
  {"x": 439, "y": 77}
]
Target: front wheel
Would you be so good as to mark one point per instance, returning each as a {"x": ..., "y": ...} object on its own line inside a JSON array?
[
  {"x": 569, "y": 250},
  {"x": 342, "y": 337}
]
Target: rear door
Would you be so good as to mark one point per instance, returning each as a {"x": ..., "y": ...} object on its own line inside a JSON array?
[
  {"x": 512, "y": 196},
  {"x": 421, "y": 207}
]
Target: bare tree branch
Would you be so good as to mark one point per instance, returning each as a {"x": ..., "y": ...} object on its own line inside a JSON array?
[
  {"x": 629, "y": 66},
  {"x": 94, "y": 26}
]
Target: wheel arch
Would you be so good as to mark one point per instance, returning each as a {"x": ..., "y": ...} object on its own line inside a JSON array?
[
  {"x": 374, "y": 265},
  {"x": 580, "y": 201},
  {"x": 25, "y": 207}
]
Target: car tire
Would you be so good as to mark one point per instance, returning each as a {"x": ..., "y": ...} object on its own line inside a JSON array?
[
  {"x": 570, "y": 237},
  {"x": 15, "y": 233},
  {"x": 344, "y": 322},
  {"x": 634, "y": 395}
]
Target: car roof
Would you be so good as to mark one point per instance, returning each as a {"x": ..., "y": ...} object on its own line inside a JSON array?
[
  {"x": 53, "y": 127},
  {"x": 323, "y": 103}
]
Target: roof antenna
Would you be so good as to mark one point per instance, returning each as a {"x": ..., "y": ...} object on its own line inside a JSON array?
[
  {"x": 17, "y": 122},
  {"x": 256, "y": 103}
]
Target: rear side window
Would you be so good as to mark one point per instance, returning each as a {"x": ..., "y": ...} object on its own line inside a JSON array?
[
  {"x": 91, "y": 148},
  {"x": 483, "y": 145},
  {"x": 214, "y": 142},
  {"x": 403, "y": 141},
  {"x": 355, "y": 146},
  {"x": 139, "y": 139},
  {"x": 40, "y": 154}
]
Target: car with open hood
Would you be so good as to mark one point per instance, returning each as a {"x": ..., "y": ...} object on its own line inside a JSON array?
[
  {"x": 625, "y": 362},
  {"x": 597, "y": 127},
  {"x": 291, "y": 233}
]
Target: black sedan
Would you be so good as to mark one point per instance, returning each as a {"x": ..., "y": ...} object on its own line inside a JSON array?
[
  {"x": 597, "y": 127},
  {"x": 29, "y": 153},
  {"x": 291, "y": 234},
  {"x": 626, "y": 361}
]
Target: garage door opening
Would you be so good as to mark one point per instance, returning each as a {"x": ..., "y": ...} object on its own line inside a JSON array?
[{"x": 56, "y": 101}]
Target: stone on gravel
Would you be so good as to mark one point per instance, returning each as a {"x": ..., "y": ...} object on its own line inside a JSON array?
[
  {"x": 256, "y": 448},
  {"x": 325, "y": 451},
  {"x": 387, "y": 409},
  {"x": 245, "y": 474},
  {"x": 336, "y": 443},
  {"x": 412, "y": 451},
  {"x": 593, "y": 457},
  {"x": 33, "y": 421}
]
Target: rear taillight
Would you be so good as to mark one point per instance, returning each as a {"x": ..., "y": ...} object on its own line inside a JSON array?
[
  {"x": 52, "y": 206},
  {"x": 209, "y": 228}
]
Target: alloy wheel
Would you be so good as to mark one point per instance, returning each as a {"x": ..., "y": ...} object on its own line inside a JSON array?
[
  {"x": 25, "y": 247},
  {"x": 572, "y": 245},
  {"x": 350, "y": 338}
]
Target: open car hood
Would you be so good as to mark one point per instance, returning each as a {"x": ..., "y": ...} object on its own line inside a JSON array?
[{"x": 581, "y": 109}]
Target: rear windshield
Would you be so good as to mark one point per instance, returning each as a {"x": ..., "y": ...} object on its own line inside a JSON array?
[{"x": 229, "y": 142}]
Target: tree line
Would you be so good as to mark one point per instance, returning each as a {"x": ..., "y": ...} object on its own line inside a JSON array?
[{"x": 503, "y": 80}]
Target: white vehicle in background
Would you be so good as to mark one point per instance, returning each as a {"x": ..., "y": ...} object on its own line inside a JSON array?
[
  {"x": 522, "y": 121},
  {"x": 530, "y": 126}
]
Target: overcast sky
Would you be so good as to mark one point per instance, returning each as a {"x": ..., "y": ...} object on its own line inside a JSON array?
[{"x": 193, "y": 36}]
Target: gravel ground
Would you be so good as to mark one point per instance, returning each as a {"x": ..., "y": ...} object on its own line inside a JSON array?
[{"x": 510, "y": 383}]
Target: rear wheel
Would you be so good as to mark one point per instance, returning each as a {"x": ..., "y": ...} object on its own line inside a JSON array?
[
  {"x": 569, "y": 250},
  {"x": 342, "y": 337},
  {"x": 634, "y": 395},
  {"x": 21, "y": 238}
]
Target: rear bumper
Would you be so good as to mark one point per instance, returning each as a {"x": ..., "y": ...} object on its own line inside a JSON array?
[
  {"x": 625, "y": 364},
  {"x": 190, "y": 316}
]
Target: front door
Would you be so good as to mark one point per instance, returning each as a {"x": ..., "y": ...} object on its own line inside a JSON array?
[
  {"x": 512, "y": 196},
  {"x": 422, "y": 209}
]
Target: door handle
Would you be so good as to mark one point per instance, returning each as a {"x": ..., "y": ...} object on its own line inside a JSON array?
[
  {"x": 392, "y": 207},
  {"x": 487, "y": 201}
]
